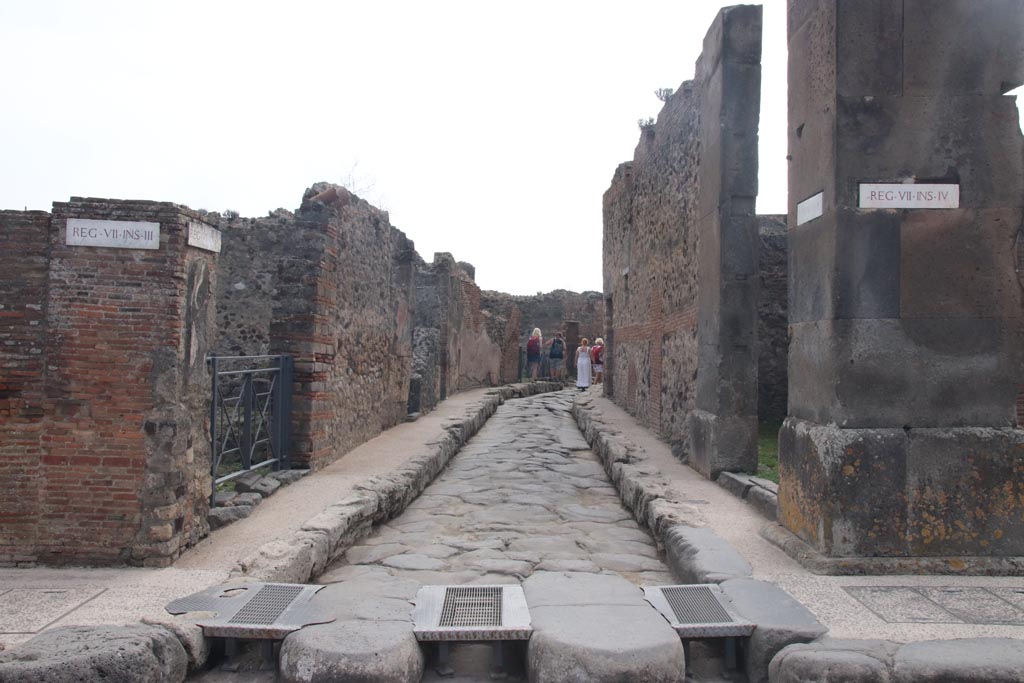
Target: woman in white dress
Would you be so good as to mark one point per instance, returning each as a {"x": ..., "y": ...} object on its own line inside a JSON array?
[{"x": 583, "y": 365}]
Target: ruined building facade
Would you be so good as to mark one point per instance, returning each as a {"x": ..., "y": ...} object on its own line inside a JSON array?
[{"x": 111, "y": 308}]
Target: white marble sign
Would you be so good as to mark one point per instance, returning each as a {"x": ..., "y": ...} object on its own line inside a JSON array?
[
  {"x": 810, "y": 208},
  {"x": 906, "y": 196},
  {"x": 85, "y": 232},
  {"x": 203, "y": 236}
]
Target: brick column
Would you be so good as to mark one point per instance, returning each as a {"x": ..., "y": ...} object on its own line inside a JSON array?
[
  {"x": 905, "y": 353},
  {"x": 125, "y": 475}
]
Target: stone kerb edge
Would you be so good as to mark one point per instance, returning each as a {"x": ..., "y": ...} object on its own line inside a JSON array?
[
  {"x": 760, "y": 494},
  {"x": 694, "y": 552},
  {"x": 967, "y": 659},
  {"x": 321, "y": 539}
]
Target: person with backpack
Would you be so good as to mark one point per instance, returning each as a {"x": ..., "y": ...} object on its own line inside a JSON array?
[
  {"x": 533, "y": 347},
  {"x": 597, "y": 359},
  {"x": 556, "y": 354}
]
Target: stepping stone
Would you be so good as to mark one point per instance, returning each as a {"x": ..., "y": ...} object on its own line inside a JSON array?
[
  {"x": 596, "y": 628},
  {"x": 372, "y": 640},
  {"x": 780, "y": 619}
]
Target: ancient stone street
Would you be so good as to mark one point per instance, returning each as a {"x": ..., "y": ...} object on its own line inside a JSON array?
[{"x": 525, "y": 494}]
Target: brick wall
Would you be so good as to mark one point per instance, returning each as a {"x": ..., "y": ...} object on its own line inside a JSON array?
[
  {"x": 24, "y": 247},
  {"x": 123, "y": 461}
]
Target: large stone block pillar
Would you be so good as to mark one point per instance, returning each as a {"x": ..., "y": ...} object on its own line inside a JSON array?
[
  {"x": 723, "y": 427},
  {"x": 906, "y": 190}
]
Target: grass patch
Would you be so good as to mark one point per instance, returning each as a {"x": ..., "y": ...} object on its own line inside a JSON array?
[{"x": 768, "y": 450}]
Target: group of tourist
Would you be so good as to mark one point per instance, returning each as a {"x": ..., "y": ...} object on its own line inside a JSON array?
[{"x": 589, "y": 359}]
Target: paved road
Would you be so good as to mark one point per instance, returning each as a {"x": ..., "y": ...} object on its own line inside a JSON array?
[{"x": 525, "y": 494}]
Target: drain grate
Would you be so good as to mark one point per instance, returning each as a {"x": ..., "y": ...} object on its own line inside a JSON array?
[
  {"x": 695, "y": 605},
  {"x": 253, "y": 610},
  {"x": 471, "y": 606},
  {"x": 698, "y": 611},
  {"x": 445, "y": 613},
  {"x": 267, "y": 605}
]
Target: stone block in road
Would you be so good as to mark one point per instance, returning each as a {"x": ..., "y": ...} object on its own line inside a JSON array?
[
  {"x": 223, "y": 516},
  {"x": 371, "y": 641},
  {"x": 699, "y": 555},
  {"x": 592, "y": 628},
  {"x": 780, "y": 620},
  {"x": 833, "y": 661},
  {"x": 265, "y": 486},
  {"x": 970, "y": 660},
  {"x": 113, "y": 654}
]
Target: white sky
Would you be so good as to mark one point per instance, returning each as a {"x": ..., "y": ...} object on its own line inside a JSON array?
[{"x": 486, "y": 129}]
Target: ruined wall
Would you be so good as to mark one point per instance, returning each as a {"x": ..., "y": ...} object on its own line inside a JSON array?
[
  {"x": 24, "y": 263},
  {"x": 344, "y": 314},
  {"x": 772, "y": 321},
  {"x": 681, "y": 258},
  {"x": 549, "y": 311},
  {"x": 122, "y": 463}
]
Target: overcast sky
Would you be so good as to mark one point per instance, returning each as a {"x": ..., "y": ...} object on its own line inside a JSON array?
[{"x": 486, "y": 129}]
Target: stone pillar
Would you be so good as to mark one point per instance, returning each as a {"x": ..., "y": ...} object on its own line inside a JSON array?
[
  {"x": 723, "y": 426},
  {"x": 126, "y": 473},
  {"x": 906, "y": 188}
]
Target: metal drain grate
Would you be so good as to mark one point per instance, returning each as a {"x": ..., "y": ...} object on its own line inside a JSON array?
[
  {"x": 698, "y": 611},
  {"x": 253, "y": 610},
  {"x": 267, "y": 605},
  {"x": 446, "y": 613},
  {"x": 695, "y": 605},
  {"x": 469, "y": 606}
]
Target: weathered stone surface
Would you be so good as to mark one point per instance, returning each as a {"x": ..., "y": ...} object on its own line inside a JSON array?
[
  {"x": 972, "y": 660},
  {"x": 834, "y": 661},
  {"x": 681, "y": 253},
  {"x": 371, "y": 640},
  {"x": 902, "y": 492},
  {"x": 699, "y": 555},
  {"x": 119, "y": 654},
  {"x": 905, "y": 351},
  {"x": 363, "y": 651},
  {"x": 223, "y": 516},
  {"x": 264, "y": 486},
  {"x": 969, "y": 660},
  {"x": 597, "y": 628},
  {"x": 780, "y": 621},
  {"x": 250, "y": 498},
  {"x": 288, "y": 476},
  {"x": 184, "y": 628}
]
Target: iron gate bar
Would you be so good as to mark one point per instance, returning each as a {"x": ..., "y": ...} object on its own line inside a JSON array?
[{"x": 258, "y": 417}]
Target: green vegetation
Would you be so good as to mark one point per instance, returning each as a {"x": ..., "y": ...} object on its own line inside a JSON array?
[{"x": 768, "y": 450}]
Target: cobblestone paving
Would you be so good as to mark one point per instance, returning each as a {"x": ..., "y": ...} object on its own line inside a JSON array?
[{"x": 525, "y": 494}]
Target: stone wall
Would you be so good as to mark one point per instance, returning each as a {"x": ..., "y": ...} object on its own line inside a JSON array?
[
  {"x": 681, "y": 258},
  {"x": 116, "y": 457},
  {"x": 332, "y": 286},
  {"x": 906, "y": 348},
  {"x": 772, "y": 321},
  {"x": 550, "y": 311}
]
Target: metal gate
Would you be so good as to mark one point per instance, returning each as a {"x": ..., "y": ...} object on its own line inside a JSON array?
[{"x": 250, "y": 414}]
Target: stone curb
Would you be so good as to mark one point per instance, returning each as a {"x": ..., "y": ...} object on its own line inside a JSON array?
[
  {"x": 761, "y": 494},
  {"x": 693, "y": 552},
  {"x": 321, "y": 539},
  {"x": 981, "y": 660}
]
